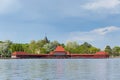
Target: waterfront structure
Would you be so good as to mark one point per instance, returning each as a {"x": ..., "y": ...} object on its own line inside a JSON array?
[{"x": 60, "y": 53}]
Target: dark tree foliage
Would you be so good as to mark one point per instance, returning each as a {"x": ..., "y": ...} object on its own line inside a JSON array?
[
  {"x": 108, "y": 49},
  {"x": 16, "y": 47},
  {"x": 116, "y": 51}
]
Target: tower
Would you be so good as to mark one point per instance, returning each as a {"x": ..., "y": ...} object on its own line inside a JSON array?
[{"x": 46, "y": 39}]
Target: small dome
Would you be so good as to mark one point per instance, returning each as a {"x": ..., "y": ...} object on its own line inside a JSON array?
[{"x": 101, "y": 53}]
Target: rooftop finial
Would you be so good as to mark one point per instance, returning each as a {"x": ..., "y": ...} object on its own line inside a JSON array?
[{"x": 45, "y": 34}]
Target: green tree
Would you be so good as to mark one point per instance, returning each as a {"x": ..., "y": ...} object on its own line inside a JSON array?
[
  {"x": 84, "y": 48},
  {"x": 41, "y": 43},
  {"x": 108, "y": 50},
  {"x": 16, "y": 47},
  {"x": 4, "y": 49},
  {"x": 26, "y": 47},
  {"x": 72, "y": 47},
  {"x": 51, "y": 46},
  {"x": 32, "y": 46},
  {"x": 93, "y": 50},
  {"x": 116, "y": 51},
  {"x": 37, "y": 47},
  {"x": 87, "y": 45},
  {"x": 43, "y": 51}
]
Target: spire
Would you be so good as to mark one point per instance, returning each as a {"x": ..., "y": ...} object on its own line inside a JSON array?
[{"x": 46, "y": 39}]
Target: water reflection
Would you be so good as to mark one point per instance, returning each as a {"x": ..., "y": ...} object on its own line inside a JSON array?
[{"x": 60, "y": 69}]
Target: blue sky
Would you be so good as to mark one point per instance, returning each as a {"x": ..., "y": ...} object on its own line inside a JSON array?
[{"x": 93, "y": 21}]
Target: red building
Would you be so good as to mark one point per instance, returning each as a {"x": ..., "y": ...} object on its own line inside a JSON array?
[{"x": 59, "y": 53}]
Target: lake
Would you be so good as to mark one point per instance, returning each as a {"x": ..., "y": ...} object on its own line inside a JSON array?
[{"x": 60, "y": 69}]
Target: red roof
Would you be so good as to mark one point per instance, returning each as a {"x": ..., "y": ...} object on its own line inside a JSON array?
[
  {"x": 19, "y": 53},
  {"x": 80, "y": 54},
  {"x": 59, "y": 48},
  {"x": 101, "y": 53}
]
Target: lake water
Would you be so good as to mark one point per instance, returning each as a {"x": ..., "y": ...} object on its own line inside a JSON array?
[{"x": 60, "y": 69}]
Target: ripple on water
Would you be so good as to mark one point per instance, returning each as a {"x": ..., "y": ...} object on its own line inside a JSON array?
[{"x": 60, "y": 69}]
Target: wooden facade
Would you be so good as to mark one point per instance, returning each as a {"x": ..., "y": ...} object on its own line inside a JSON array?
[{"x": 59, "y": 53}]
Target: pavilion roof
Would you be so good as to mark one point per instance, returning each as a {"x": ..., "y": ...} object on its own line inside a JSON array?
[{"x": 59, "y": 48}]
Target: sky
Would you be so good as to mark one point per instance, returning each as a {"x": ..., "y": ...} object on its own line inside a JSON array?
[{"x": 94, "y": 21}]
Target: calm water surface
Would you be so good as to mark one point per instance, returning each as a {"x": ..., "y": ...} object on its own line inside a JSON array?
[{"x": 60, "y": 69}]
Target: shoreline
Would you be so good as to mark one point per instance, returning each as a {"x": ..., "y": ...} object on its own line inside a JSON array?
[{"x": 61, "y": 58}]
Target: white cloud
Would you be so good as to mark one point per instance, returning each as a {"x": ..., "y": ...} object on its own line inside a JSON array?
[
  {"x": 93, "y": 35},
  {"x": 105, "y": 4},
  {"x": 99, "y": 37},
  {"x": 8, "y": 6},
  {"x": 103, "y": 31}
]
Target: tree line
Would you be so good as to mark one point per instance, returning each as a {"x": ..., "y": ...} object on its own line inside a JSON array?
[{"x": 45, "y": 46}]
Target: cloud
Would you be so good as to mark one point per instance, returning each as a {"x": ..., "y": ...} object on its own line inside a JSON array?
[
  {"x": 46, "y": 10},
  {"x": 103, "y": 31},
  {"x": 99, "y": 37},
  {"x": 103, "y": 6},
  {"x": 9, "y": 6},
  {"x": 93, "y": 35}
]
